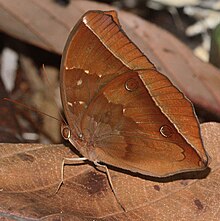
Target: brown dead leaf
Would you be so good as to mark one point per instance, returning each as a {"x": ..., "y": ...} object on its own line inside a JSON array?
[{"x": 30, "y": 175}]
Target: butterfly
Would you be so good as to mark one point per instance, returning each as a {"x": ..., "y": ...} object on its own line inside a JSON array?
[{"x": 120, "y": 110}]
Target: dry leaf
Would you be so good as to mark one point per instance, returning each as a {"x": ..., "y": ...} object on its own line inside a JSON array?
[{"x": 30, "y": 175}]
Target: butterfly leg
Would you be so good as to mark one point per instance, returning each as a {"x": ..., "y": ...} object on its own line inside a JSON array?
[
  {"x": 110, "y": 182},
  {"x": 68, "y": 161}
]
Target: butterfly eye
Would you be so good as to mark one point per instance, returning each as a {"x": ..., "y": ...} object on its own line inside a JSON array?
[
  {"x": 131, "y": 84},
  {"x": 166, "y": 131},
  {"x": 66, "y": 133}
]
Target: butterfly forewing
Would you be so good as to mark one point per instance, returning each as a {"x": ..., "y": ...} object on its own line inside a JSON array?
[{"x": 121, "y": 111}]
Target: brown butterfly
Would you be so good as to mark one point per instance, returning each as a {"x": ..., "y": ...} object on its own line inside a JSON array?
[{"x": 120, "y": 110}]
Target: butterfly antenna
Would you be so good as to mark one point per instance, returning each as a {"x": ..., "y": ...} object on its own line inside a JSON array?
[
  {"x": 29, "y": 108},
  {"x": 55, "y": 102}
]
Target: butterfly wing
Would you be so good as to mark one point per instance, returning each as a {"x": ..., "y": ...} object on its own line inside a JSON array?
[
  {"x": 128, "y": 114},
  {"x": 87, "y": 66}
]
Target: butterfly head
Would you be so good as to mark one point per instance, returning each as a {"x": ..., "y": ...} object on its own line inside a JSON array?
[
  {"x": 65, "y": 131},
  {"x": 86, "y": 149}
]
